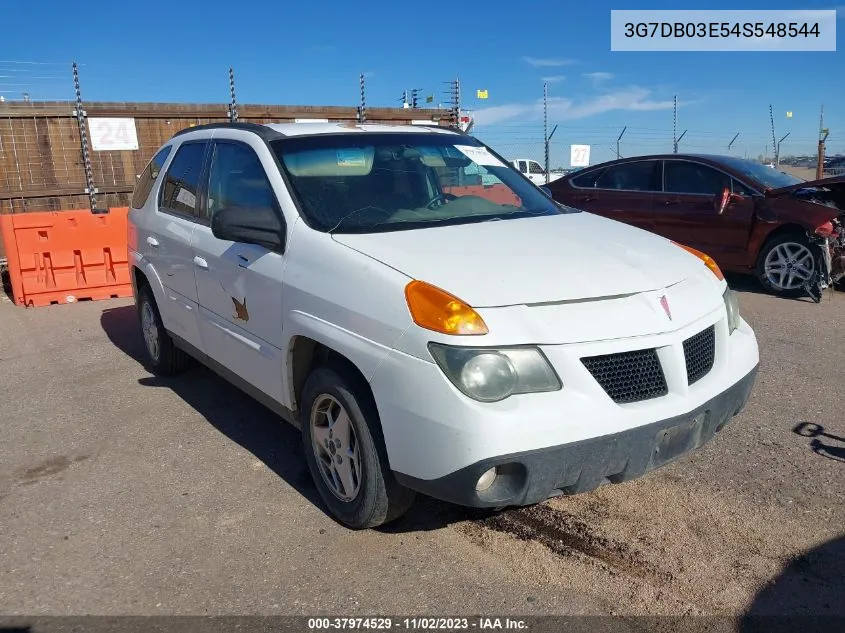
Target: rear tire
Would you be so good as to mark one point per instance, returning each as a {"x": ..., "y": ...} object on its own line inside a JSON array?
[
  {"x": 786, "y": 262},
  {"x": 349, "y": 467},
  {"x": 163, "y": 357}
]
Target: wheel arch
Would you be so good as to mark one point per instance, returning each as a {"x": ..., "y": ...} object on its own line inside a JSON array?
[
  {"x": 305, "y": 354},
  {"x": 790, "y": 228}
]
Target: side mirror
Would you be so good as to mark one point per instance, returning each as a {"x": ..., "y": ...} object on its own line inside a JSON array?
[
  {"x": 250, "y": 225},
  {"x": 546, "y": 190}
]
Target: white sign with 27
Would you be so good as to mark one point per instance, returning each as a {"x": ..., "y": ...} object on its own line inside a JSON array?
[
  {"x": 109, "y": 134},
  {"x": 579, "y": 155}
]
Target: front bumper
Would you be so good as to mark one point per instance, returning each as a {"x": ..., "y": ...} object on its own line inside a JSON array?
[{"x": 533, "y": 476}]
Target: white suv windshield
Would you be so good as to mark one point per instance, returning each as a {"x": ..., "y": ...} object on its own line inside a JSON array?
[{"x": 369, "y": 182}]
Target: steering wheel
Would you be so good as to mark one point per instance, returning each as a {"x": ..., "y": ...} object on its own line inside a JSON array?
[{"x": 441, "y": 198}]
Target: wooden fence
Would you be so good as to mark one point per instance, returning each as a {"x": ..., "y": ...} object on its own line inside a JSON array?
[
  {"x": 41, "y": 160},
  {"x": 41, "y": 164}
]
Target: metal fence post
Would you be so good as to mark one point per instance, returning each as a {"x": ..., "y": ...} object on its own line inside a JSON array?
[
  {"x": 80, "y": 115},
  {"x": 362, "y": 109},
  {"x": 233, "y": 106}
]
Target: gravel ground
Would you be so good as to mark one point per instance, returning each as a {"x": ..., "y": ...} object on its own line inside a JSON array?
[{"x": 121, "y": 493}]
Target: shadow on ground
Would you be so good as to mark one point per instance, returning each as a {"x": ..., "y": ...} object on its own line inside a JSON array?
[
  {"x": 835, "y": 452},
  {"x": 806, "y": 596},
  {"x": 260, "y": 431}
]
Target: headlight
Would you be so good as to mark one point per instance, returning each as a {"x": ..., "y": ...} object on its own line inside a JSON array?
[
  {"x": 490, "y": 375},
  {"x": 732, "y": 307}
]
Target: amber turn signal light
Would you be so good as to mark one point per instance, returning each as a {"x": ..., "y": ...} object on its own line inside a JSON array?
[
  {"x": 435, "y": 309},
  {"x": 708, "y": 261}
]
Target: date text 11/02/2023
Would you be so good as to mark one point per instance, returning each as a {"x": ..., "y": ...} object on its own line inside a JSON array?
[{"x": 417, "y": 624}]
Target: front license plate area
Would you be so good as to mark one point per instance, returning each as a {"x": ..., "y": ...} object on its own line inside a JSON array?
[{"x": 676, "y": 440}]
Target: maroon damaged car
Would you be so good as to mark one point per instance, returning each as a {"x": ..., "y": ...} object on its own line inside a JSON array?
[{"x": 749, "y": 217}]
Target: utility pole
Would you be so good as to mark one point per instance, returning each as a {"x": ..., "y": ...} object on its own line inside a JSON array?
[
  {"x": 774, "y": 142},
  {"x": 80, "y": 115},
  {"x": 546, "y": 126},
  {"x": 362, "y": 109},
  {"x": 455, "y": 101},
  {"x": 548, "y": 144},
  {"x": 619, "y": 138},
  {"x": 822, "y": 138},
  {"x": 675, "y": 125},
  {"x": 777, "y": 154},
  {"x": 732, "y": 141},
  {"x": 679, "y": 140}
]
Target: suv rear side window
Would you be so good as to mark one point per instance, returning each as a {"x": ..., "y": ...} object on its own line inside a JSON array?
[
  {"x": 181, "y": 183},
  {"x": 148, "y": 178},
  {"x": 637, "y": 176}
]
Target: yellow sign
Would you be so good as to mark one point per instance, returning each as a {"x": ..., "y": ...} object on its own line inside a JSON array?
[
  {"x": 789, "y": 115},
  {"x": 481, "y": 94}
]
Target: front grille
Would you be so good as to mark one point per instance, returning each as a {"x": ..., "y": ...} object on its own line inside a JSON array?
[
  {"x": 699, "y": 354},
  {"x": 628, "y": 376}
]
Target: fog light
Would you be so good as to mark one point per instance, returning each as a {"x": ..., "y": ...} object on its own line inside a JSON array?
[{"x": 486, "y": 480}]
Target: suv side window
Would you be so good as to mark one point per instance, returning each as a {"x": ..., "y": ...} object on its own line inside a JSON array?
[
  {"x": 179, "y": 194},
  {"x": 148, "y": 177},
  {"x": 237, "y": 179},
  {"x": 686, "y": 177},
  {"x": 636, "y": 176}
]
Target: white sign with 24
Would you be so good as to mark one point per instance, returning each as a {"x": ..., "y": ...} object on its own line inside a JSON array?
[{"x": 110, "y": 134}]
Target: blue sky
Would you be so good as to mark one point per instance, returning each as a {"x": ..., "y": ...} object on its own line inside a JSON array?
[{"x": 312, "y": 53}]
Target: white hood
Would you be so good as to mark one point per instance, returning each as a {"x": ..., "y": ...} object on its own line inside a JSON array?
[{"x": 564, "y": 257}]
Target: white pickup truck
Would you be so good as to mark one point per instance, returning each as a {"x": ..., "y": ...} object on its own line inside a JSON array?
[{"x": 532, "y": 170}]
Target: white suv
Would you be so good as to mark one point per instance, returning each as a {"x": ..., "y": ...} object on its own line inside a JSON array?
[{"x": 430, "y": 319}]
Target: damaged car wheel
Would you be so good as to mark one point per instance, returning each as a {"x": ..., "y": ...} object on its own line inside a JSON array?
[{"x": 786, "y": 263}]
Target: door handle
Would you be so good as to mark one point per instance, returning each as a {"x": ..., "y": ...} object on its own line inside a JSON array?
[
  {"x": 669, "y": 203},
  {"x": 200, "y": 262},
  {"x": 152, "y": 241},
  {"x": 586, "y": 199}
]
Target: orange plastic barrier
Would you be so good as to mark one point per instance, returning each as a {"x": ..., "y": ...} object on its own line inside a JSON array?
[{"x": 66, "y": 256}]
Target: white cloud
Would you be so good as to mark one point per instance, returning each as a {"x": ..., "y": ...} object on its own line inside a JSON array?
[
  {"x": 634, "y": 98},
  {"x": 553, "y": 79},
  {"x": 369, "y": 73},
  {"x": 548, "y": 62},
  {"x": 599, "y": 76}
]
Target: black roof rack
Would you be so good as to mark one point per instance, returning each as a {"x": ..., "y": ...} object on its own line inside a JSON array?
[{"x": 263, "y": 131}]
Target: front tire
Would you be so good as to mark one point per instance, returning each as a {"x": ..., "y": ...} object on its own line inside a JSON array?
[
  {"x": 786, "y": 263},
  {"x": 345, "y": 452},
  {"x": 163, "y": 357}
]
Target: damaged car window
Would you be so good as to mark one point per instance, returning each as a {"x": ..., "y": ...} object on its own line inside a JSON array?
[
  {"x": 364, "y": 183},
  {"x": 763, "y": 174}
]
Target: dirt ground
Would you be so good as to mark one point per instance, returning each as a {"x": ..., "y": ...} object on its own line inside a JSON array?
[{"x": 122, "y": 493}]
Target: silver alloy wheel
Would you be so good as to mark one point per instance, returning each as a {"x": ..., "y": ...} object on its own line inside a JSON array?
[
  {"x": 789, "y": 265},
  {"x": 335, "y": 447},
  {"x": 150, "y": 329}
]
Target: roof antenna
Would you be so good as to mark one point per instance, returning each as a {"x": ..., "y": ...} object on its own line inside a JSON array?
[{"x": 233, "y": 107}]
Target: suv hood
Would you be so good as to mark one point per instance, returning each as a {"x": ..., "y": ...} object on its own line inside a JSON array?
[
  {"x": 837, "y": 183},
  {"x": 566, "y": 257}
]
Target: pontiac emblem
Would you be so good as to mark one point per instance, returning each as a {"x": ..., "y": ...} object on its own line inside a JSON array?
[{"x": 664, "y": 302}]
